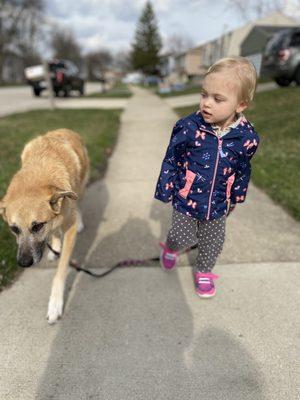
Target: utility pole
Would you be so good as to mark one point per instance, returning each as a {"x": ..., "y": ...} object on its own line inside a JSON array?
[{"x": 49, "y": 85}]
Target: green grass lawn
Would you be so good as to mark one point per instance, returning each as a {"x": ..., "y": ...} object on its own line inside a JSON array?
[
  {"x": 120, "y": 90},
  {"x": 99, "y": 129},
  {"x": 195, "y": 89},
  {"x": 276, "y": 165}
]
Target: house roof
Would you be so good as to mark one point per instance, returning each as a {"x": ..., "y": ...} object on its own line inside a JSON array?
[{"x": 270, "y": 20}]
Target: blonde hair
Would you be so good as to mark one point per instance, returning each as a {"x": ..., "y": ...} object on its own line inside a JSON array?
[{"x": 244, "y": 71}]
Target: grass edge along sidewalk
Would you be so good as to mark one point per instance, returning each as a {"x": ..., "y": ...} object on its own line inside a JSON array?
[
  {"x": 194, "y": 88},
  {"x": 276, "y": 167},
  {"x": 119, "y": 90},
  {"x": 99, "y": 129}
]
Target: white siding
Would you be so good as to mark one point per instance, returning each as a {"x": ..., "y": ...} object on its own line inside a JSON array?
[{"x": 256, "y": 60}]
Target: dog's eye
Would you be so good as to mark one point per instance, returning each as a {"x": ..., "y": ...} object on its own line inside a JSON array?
[
  {"x": 37, "y": 227},
  {"x": 15, "y": 229}
]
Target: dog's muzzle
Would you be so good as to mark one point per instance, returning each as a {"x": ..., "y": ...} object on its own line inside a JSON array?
[
  {"x": 30, "y": 255},
  {"x": 25, "y": 260}
]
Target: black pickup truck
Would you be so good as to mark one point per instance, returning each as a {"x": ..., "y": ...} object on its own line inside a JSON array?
[{"x": 64, "y": 76}]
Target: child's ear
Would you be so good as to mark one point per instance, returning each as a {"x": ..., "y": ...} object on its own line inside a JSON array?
[{"x": 241, "y": 107}]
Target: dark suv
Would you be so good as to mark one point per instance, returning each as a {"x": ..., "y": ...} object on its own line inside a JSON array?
[
  {"x": 281, "y": 58},
  {"x": 65, "y": 77}
]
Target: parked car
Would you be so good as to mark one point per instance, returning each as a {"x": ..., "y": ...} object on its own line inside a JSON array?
[
  {"x": 64, "y": 75},
  {"x": 281, "y": 58},
  {"x": 152, "y": 80},
  {"x": 134, "y": 78}
]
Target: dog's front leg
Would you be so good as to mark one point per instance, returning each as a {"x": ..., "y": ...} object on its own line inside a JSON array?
[{"x": 55, "y": 306}]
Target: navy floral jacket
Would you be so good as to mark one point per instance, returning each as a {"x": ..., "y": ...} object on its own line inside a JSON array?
[{"x": 203, "y": 174}]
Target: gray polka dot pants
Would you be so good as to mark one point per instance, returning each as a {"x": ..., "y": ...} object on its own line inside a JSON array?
[{"x": 210, "y": 236}]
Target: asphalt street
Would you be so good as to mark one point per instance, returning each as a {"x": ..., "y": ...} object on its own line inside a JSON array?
[{"x": 20, "y": 98}]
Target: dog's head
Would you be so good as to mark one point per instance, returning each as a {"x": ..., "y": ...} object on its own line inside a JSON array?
[{"x": 32, "y": 216}]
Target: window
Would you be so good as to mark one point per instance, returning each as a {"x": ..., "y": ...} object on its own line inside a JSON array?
[
  {"x": 72, "y": 68},
  {"x": 55, "y": 66},
  {"x": 277, "y": 42},
  {"x": 295, "y": 40}
]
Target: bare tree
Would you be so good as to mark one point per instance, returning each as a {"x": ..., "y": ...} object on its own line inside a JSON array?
[
  {"x": 256, "y": 9},
  {"x": 65, "y": 46},
  {"x": 19, "y": 25},
  {"x": 122, "y": 61},
  {"x": 177, "y": 44},
  {"x": 98, "y": 63},
  {"x": 29, "y": 32}
]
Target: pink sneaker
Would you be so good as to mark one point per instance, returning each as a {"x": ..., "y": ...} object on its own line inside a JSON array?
[
  {"x": 204, "y": 283},
  {"x": 168, "y": 257}
]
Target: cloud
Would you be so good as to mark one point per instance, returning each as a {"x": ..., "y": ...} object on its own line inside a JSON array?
[{"x": 112, "y": 23}]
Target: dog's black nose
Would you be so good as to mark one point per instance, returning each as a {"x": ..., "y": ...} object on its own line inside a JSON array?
[{"x": 25, "y": 261}]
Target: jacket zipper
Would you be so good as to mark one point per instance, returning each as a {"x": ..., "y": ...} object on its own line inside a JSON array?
[{"x": 214, "y": 177}]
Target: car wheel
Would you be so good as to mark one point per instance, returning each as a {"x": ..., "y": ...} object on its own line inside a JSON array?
[
  {"x": 297, "y": 76},
  {"x": 67, "y": 91},
  {"x": 36, "y": 92},
  {"x": 283, "y": 81},
  {"x": 81, "y": 91}
]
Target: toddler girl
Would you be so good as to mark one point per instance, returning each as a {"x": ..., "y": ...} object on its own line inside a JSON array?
[{"x": 207, "y": 168}]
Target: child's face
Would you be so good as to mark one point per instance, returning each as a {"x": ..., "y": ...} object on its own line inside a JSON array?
[{"x": 219, "y": 101}]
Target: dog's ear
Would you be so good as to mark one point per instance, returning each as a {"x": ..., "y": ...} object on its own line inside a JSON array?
[{"x": 58, "y": 197}]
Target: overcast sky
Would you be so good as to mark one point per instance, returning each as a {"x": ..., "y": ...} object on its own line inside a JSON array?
[{"x": 111, "y": 23}]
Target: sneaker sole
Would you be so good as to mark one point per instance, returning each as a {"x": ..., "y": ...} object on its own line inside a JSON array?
[{"x": 205, "y": 296}]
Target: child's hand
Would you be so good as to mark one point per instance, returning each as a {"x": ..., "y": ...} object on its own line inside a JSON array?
[{"x": 231, "y": 208}]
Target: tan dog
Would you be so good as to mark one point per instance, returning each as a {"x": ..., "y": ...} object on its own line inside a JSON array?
[{"x": 40, "y": 203}]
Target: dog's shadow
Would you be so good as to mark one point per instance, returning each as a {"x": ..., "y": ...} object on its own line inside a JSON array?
[
  {"x": 96, "y": 198},
  {"x": 93, "y": 207}
]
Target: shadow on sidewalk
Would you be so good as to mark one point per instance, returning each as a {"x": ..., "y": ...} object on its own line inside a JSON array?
[
  {"x": 93, "y": 207},
  {"x": 131, "y": 335},
  {"x": 95, "y": 198}
]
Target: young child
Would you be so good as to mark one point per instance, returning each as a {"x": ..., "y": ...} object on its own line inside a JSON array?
[{"x": 207, "y": 168}]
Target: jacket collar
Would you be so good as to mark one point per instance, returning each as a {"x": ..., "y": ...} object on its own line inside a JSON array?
[
  {"x": 221, "y": 132},
  {"x": 239, "y": 129}
]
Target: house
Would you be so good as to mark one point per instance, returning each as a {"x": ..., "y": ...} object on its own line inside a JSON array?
[
  {"x": 248, "y": 40},
  {"x": 167, "y": 64},
  {"x": 231, "y": 43},
  {"x": 182, "y": 67},
  {"x": 193, "y": 66}
]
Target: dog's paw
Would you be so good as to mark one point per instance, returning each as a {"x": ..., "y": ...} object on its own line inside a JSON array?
[
  {"x": 80, "y": 226},
  {"x": 55, "y": 310}
]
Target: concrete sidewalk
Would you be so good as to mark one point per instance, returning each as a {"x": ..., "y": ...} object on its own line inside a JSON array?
[{"x": 141, "y": 333}]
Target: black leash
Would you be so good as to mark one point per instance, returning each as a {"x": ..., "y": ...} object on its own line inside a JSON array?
[{"x": 124, "y": 263}]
